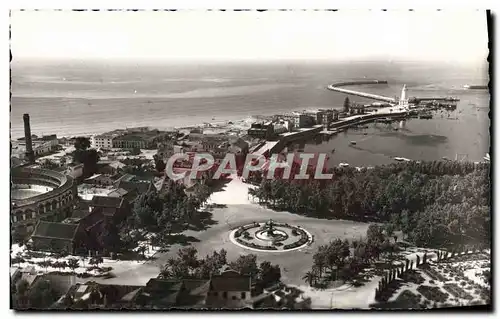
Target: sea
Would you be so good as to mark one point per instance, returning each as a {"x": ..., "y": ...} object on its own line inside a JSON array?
[{"x": 71, "y": 98}]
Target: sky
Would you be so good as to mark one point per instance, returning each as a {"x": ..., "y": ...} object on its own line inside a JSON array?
[{"x": 451, "y": 36}]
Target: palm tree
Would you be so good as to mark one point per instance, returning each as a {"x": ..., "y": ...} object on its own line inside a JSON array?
[
  {"x": 309, "y": 277},
  {"x": 141, "y": 250}
]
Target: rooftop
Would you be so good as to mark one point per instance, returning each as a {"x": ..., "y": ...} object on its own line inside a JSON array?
[
  {"x": 105, "y": 201},
  {"x": 55, "y": 230},
  {"x": 230, "y": 281},
  {"x": 142, "y": 135}
]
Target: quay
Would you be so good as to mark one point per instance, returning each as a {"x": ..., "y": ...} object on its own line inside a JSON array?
[
  {"x": 431, "y": 99},
  {"x": 383, "y": 113},
  {"x": 273, "y": 147}
]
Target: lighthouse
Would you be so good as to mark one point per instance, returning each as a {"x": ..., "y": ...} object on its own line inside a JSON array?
[{"x": 403, "y": 101}]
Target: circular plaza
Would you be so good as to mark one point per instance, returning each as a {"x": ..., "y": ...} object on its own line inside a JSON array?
[{"x": 270, "y": 236}]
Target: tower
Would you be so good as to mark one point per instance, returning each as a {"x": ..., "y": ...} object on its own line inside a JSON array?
[
  {"x": 30, "y": 155},
  {"x": 403, "y": 100}
]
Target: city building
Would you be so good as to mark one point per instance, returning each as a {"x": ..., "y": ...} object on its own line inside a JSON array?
[
  {"x": 281, "y": 126},
  {"x": 229, "y": 289},
  {"x": 57, "y": 237},
  {"x": 115, "y": 209},
  {"x": 326, "y": 118},
  {"x": 41, "y": 145},
  {"x": 75, "y": 170},
  {"x": 100, "y": 180},
  {"x": 303, "y": 120},
  {"x": 140, "y": 138},
  {"x": 92, "y": 295},
  {"x": 105, "y": 140},
  {"x": 261, "y": 130}
]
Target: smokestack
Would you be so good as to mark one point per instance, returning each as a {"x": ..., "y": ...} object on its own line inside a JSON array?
[{"x": 27, "y": 138}]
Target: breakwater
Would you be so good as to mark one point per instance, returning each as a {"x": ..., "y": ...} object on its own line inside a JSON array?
[
  {"x": 346, "y": 83},
  {"x": 337, "y": 88}
]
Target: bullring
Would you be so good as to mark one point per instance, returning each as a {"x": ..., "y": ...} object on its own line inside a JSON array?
[{"x": 53, "y": 200}]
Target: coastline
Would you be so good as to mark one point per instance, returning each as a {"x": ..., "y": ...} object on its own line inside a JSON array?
[
  {"x": 215, "y": 124},
  {"x": 240, "y": 122}
]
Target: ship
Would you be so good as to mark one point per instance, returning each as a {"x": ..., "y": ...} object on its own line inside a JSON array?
[
  {"x": 487, "y": 157},
  {"x": 402, "y": 159},
  {"x": 475, "y": 87},
  {"x": 425, "y": 116},
  {"x": 343, "y": 164}
]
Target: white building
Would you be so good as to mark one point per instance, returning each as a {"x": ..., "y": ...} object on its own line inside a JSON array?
[
  {"x": 102, "y": 141},
  {"x": 75, "y": 171}
]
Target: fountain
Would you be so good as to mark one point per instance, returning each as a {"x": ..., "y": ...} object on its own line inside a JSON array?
[
  {"x": 270, "y": 236},
  {"x": 268, "y": 232}
]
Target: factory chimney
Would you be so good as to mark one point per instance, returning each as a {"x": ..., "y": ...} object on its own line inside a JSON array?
[{"x": 30, "y": 155}]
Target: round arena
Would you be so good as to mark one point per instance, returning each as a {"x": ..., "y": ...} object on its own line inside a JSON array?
[{"x": 39, "y": 194}]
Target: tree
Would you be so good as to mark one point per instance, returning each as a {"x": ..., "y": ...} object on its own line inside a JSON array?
[
  {"x": 269, "y": 274},
  {"x": 347, "y": 105},
  {"x": 135, "y": 151},
  {"x": 73, "y": 263},
  {"x": 246, "y": 265},
  {"x": 87, "y": 157},
  {"x": 21, "y": 297},
  {"x": 45, "y": 264},
  {"x": 160, "y": 165},
  {"x": 96, "y": 261},
  {"x": 189, "y": 257},
  {"x": 42, "y": 295},
  {"x": 375, "y": 233},
  {"x": 49, "y": 164},
  {"x": 82, "y": 143},
  {"x": 109, "y": 238},
  {"x": 389, "y": 229}
]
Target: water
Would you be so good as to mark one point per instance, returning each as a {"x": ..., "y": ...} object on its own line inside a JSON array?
[{"x": 85, "y": 98}]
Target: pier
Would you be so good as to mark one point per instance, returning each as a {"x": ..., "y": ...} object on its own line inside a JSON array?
[
  {"x": 414, "y": 100},
  {"x": 332, "y": 87}
]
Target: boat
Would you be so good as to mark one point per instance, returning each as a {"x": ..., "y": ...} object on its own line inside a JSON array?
[
  {"x": 445, "y": 158},
  {"x": 402, "y": 159},
  {"x": 343, "y": 164},
  {"x": 487, "y": 157},
  {"x": 475, "y": 87},
  {"x": 333, "y": 151},
  {"x": 425, "y": 116},
  {"x": 365, "y": 133},
  {"x": 353, "y": 142}
]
